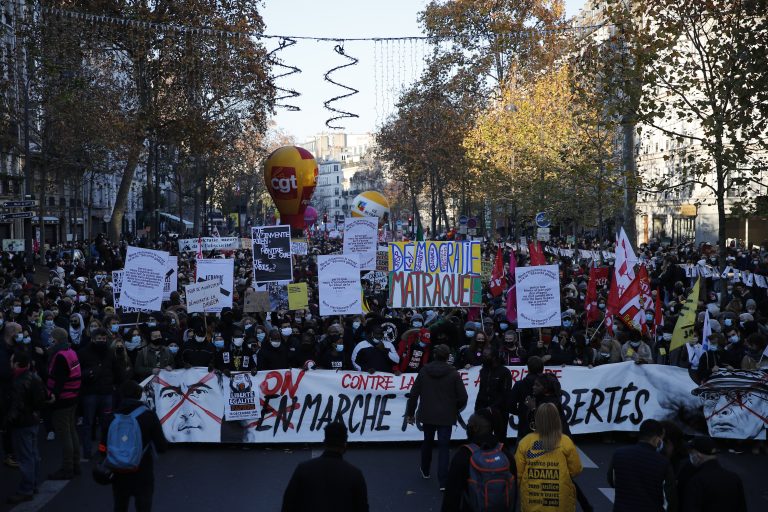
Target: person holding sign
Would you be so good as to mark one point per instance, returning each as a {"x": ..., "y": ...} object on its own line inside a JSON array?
[{"x": 376, "y": 355}]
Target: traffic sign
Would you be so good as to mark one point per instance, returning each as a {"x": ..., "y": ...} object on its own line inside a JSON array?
[
  {"x": 17, "y": 215},
  {"x": 542, "y": 234},
  {"x": 542, "y": 220},
  {"x": 463, "y": 220},
  {"x": 399, "y": 223},
  {"x": 472, "y": 223},
  {"x": 20, "y": 204}
]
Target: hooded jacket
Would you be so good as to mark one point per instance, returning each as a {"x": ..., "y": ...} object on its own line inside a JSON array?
[{"x": 440, "y": 393}]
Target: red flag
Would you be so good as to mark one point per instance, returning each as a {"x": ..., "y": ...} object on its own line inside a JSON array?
[
  {"x": 630, "y": 308},
  {"x": 511, "y": 293},
  {"x": 498, "y": 280},
  {"x": 646, "y": 299},
  {"x": 536, "y": 254},
  {"x": 597, "y": 277},
  {"x": 611, "y": 306}
]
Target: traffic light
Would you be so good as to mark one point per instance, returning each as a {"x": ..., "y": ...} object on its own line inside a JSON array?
[
  {"x": 410, "y": 219},
  {"x": 325, "y": 218}
]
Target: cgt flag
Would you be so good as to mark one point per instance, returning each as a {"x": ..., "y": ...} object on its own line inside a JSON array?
[{"x": 498, "y": 281}]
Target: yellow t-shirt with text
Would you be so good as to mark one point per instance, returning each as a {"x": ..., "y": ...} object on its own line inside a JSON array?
[{"x": 545, "y": 478}]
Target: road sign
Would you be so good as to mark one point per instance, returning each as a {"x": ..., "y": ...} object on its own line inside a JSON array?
[
  {"x": 542, "y": 220},
  {"x": 472, "y": 231},
  {"x": 17, "y": 215},
  {"x": 106, "y": 217},
  {"x": 20, "y": 204},
  {"x": 399, "y": 223},
  {"x": 463, "y": 220},
  {"x": 472, "y": 223},
  {"x": 462, "y": 230},
  {"x": 542, "y": 234}
]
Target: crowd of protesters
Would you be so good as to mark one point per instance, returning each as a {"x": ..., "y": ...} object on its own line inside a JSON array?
[{"x": 60, "y": 326}]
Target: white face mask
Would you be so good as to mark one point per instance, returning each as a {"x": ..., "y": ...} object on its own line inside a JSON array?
[
  {"x": 355, "y": 325},
  {"x": 286, "y": 331},
  {"x": 275, "y": 344},
  {"x": 260, "y": 336},
  {"x": 417, "y": 324},
  {"x": 238, "y": 342}
]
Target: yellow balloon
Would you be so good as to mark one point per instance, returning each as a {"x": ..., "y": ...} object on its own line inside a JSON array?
[
  {"x": 371, "y": 204},
  {"x": 290, "y": 174}
]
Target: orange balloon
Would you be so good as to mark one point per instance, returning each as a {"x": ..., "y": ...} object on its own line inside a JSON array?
[{"x": 290, "y": 174}]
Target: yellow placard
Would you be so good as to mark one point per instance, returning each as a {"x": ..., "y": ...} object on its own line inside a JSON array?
[
  {"x": 235, "y": 219},
  {"x": 297, "y": 296}
]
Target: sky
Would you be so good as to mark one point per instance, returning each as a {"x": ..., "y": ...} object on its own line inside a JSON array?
[{"x": 383, "y": 67}]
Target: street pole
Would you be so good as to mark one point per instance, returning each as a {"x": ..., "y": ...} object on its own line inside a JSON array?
[{"x": 27, "y": 173}]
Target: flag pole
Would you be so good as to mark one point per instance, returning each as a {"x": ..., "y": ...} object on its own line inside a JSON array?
[{"x": 597, "y": 329}]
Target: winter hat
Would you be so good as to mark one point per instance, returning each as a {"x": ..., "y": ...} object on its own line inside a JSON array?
[
  {"x": 417, "y": 316},
  {"x": 750, "y": 304},
  {"x": 569, "y": 313},
  {"x": 713, "y": 309},
  {"x": 714, "y": 325},
  {"x": 470, "y": 326}
]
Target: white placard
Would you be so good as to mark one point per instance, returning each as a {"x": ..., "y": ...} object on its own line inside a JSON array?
[
  {"x": 339, "y": 284},
  {"x": 221, "y": 270},
  {"x": 144, "y": 278},
  {"x": 227, "y": 243},
  {"x": 360, "y": 237},
  {"x": 538, "y": 296},
  {"x": 202, "y": 296}
]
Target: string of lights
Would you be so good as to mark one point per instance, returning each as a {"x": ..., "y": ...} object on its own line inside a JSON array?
[{"x": 342, "y": 114}]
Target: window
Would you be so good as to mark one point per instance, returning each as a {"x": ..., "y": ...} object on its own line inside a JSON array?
[
  {"x": 336, "y": 191},
  {"x": 337, "y": 180},
  {"x": 336, "y": 168},
  {"x": 336, "y": 203}
]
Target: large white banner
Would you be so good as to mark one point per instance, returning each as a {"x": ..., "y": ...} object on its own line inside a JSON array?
[
  {"x": 296, "y": 405},
  {"x": 360, "y": 237},
  {"x": 227, "y": 243},
  {"x": 171, "y": 277},
  {"x": 339, "y": 285},
  {"x": 202, "y": 296},
  {"x": 538, "y": 296},
  {"x": 143, "y": 278},
  {"x": 223, "y": 271}
]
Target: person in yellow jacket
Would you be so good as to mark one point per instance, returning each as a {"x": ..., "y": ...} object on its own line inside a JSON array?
[{"x": 546, "y": 463}]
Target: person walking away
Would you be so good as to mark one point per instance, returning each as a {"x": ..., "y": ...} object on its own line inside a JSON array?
[
  {"x": 139, "y": 483},
  {"x": 64, "y": 389},
  {"x": 516, "y": 402},
  {"x": 495, "y": 386},
  {"x": 441, "y": 396},
  {"x": 641, "y": 475},
  {"x": 27, "y": 400},
  {"x": 547, "y": 461},
  {"x": 481, "y": 461},
  {"x": 711, "y": 488},
  {"x": 327, "y": 483}
]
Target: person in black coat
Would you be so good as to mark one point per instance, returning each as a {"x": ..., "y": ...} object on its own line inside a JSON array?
[
  {"x": 495, "y": 386},
  {"x": 642, "y": 476},
  {"x": 274, "y": 354},
  {"x": 441, "y": 395},
  {"x": 327, "y": 483},
  {"x": 139, "y": 484},
  {"x": 520, "y": 393},
  {"x": 709, "y": 487}
]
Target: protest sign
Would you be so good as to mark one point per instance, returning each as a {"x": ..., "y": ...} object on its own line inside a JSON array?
[
  {"x": 435, "y": 257},
  {"x": 117, "y": 285},
  {"x": 256, "y": 301},
  {"x": 242, "y": 401},
  {"x": 297, "y": 405},
  {"x": 272, "y": 254},
  {"x": 538, "y": 296},
  {"x": 339, "y": 284},
  {"x": 297, "y": 296},
  {"x": 227, "y": 243},
  {"x": 222, "y": 271},
  {"x": 171, "y": 277},
  {"x": 278, "y": 296},
  {"x": 360, "y": 237},
  {"x": 299, "y": 247},
  {"x": 13, "y": 245},
  {"x": 143, "y": 278},
  {"x": 202, "y": 296}
]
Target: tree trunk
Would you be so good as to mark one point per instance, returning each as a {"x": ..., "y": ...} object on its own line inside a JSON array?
[
  {"x": 196, "y": 212},
  {"x": 118, "y": 212}
]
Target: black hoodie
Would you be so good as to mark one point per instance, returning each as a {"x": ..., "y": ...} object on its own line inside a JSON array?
[{"x": 440, "y": 392}]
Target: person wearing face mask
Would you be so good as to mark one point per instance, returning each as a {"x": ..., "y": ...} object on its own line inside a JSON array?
[
  {"x": 704, "y": 485},
  {"x": 642, "y": 476},
  {"x": 414, "y": 349},
  {"x": 236, "y": 356},
  {"x": 274, "y": 354},
  {"x": 495, "y": 386},
  {"x": 334, "y": 356},
  {"x": 635, "y": 349},
  {"x": 76, "y": 331},
  {"x": 306, "y": 356},
  {"x": 712, "y": 359},
  {"x": 734, "y": 348},
  {"x": 102, "y": 374},
  {"x": 663, "y": 341},
  {"x": 153, "y": 357},
  {"x": 510, "y": 351},
  {"x": 754, "y": 353},
  {"x": 197, "y": 351},
  {"x": 376, "y": 355},
  {"x": 289, "y": 339}
]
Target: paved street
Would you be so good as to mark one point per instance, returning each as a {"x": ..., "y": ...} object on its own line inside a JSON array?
[{"x": 204, "y": 478}]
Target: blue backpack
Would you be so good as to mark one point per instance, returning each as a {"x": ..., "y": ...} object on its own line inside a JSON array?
[
  {"x": 124, "y": 444},
  {"x": 491, "y": 486}
]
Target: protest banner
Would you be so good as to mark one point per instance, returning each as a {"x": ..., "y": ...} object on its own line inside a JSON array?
[
  {"x": 171, "y": 277},
  {"x": 426, "y": 290},
  {"x": 339, "y": 285},
  {"x": 278, "y": 296},
  {"x": 297, "y": 296},
  {"x": 13, "y": 245},
  {"x": 256, "y": 301},
  {"x": 295, "y": 405},
  {"x": 538, "y": 296},
  {"x": 143, "y": 278},
  {"x": 222, "y": 271},
  {"x": 117, "y": 285},
  {"x": 360, "y": 237},
  {"x": 242, "y": 402},
  {"x": 435, "y": 257},
  {"x": 202, "y": 296},
  {"x": 226, "y": 243},
  {"x": 299, "y": 247},
  {"x": 272, "y": 254}
]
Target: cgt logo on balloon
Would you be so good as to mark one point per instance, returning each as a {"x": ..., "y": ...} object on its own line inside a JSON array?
[{"x": 284, "y": 184}]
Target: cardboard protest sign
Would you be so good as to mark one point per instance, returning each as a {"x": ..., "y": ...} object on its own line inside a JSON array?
[
  {"x": 297, "y": 296},
  {"x": 222, "y": 271},
  {"x": 299, "y": 247},
  {"x": 272, "y": 260},
  {"x": 538, "y": 296},
  {"x": 339, "y": 285},
  {"x": 227, "y": 243},
  {"x": 202, "y": 296},
  {"x": 117, "y": 285},
  {"x": 360, "y": 237},
  {"x": 13, "y": 245},
  {"x": 144, "y": 278},
  {"x": 256, "y": 301},
  {"x": 171, "y": 277},
  {"x": 436, "y": 257},
  {"x": 278, "y": 296},
  {"x": 242, "y": 401},
  {"x": 298, "y": 405}
]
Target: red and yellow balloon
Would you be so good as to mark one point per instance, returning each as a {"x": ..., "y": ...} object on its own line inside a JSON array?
[{"x": 290, "y": 174}]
